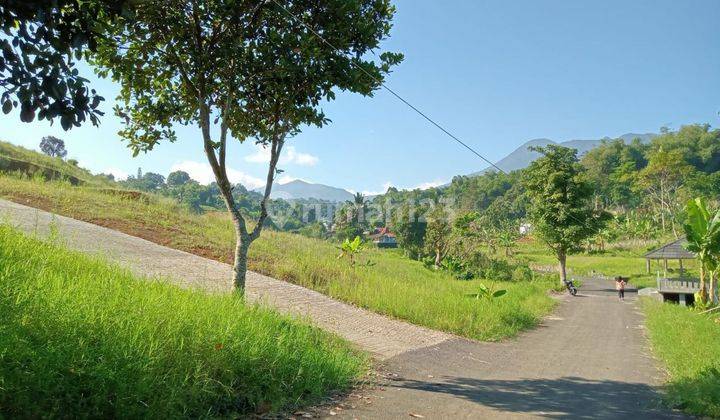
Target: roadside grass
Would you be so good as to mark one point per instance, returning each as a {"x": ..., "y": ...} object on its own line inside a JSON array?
[
  {"x": 689, "y": 344},
  {"x": 80, "y": 338},
  {"x": 394, "y": 286}
]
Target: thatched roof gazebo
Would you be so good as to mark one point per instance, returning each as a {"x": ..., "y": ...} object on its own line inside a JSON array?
[{"x": 673, "y": 251}]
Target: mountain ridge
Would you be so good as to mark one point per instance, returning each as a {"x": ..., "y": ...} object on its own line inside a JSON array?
[{"x": 519, "y": 158}]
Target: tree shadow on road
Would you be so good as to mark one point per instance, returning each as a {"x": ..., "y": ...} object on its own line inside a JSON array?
[{"x": 568, "y": 397}]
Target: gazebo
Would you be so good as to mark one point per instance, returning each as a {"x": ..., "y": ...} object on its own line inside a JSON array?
[
  {"x": 673, "y": 251},
  {"x": 680, "y": 290}
]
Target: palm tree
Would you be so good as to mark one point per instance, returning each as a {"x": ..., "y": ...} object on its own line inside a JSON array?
[{"x": 703, "y": 234}]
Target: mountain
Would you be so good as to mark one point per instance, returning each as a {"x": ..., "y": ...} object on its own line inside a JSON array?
[
  {"x": 298, "y": 189},
  {"x": 521, "y": 157}
]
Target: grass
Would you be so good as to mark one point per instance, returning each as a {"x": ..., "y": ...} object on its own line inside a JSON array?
[
  {"x": 689, "y": 345},
  {"x": 626, "y": 263},
  {"x": 81, "y": 338},
  {"x": 31, "y": 161},
  {"x": 395, "y": 285}
]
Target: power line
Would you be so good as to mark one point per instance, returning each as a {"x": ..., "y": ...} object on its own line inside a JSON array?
[
  {"x": 397, "y": 95},
  {"x": 386, "y": 87}
]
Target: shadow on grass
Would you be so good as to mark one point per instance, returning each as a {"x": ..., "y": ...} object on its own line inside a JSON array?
[{"x": 568, "y": 397}]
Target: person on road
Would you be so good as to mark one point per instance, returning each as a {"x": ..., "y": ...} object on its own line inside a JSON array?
[{"x": 620, "y": 287}]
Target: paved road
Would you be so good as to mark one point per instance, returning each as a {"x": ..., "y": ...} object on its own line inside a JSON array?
[{"x": 589, "y": 360}]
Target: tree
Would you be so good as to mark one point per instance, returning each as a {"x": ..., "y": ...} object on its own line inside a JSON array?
[
  {"x": 409, "y": 229},
  {"x": 37, "y": 68},
  {"x": 53, "y": 146},
  {"x": 437, "y": 235},
  {"x": 561, "y": 207},
  {"x": 702, "y": 230},
  {"x": 177, "y": 178},
  {"x": 661, "y": 179},
  {"x": 247, "y": 69}
]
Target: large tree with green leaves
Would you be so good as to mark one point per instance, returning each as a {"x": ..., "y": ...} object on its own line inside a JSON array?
[
  {"x": 252, "y": 70},
  {"x": 561, "y": 208}
]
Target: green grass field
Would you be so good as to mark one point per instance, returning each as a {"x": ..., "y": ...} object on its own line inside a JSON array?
[
  {"x": 395, "y": 285},
  {"x": 689, "y": 345},
  {"x": 628, "y": 263},
  {"x": 29, "y": 161},
  {"x": 83, "y": 339}
]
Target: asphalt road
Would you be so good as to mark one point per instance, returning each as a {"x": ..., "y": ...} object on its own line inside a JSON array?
[{"x": 589, "y": 360}]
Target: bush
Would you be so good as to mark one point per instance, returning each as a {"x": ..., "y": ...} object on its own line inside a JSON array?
[
  {"x": 497, "y": 270},
  {"x": 522, "y": 273}
]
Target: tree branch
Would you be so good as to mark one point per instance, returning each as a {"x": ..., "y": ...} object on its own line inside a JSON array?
[{"x": 275, "y": 150}]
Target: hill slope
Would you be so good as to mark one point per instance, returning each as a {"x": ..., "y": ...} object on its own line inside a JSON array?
[{"x": 521, "y": 157}]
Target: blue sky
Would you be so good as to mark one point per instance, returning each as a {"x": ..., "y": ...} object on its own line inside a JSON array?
[{"x": 495, "y": 73}]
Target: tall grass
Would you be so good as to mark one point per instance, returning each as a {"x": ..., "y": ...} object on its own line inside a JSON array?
[
  {"x": 395, "y": 285},
  {"x": 689, "y": 345},
  {"x": 81, "y": 338}
]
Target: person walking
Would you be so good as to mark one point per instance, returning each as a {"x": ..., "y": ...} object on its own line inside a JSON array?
[{"x": 620, "y": 287}]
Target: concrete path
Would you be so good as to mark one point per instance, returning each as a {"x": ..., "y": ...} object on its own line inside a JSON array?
[
  {"x": 589, "y": 360},
  {"x": 380, "y": 335}
]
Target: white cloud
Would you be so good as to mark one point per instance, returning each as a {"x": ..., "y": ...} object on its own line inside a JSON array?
[
  {"x": 119, "y": 174},
  {"x": 385, "y": 186},
  {"x": 202, "y": 173},
  {"x": 382, "y": 190},
  {"x": 289, "y": 155},
  {"x": 431, "y": 184}
]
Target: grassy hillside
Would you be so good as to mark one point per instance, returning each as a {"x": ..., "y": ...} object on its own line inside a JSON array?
[
  {"x": 33, "y": 164},
  {"x": 394, "y": 286},
  {"x": 81, "y": 338},
  {"x": 689, "y": 344}
]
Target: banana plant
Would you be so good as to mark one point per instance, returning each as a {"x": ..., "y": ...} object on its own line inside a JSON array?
[
  {"x": 702, "y": 231},
  {"x": 350, "y": 249},
  {"x": 489, "y": 293}
]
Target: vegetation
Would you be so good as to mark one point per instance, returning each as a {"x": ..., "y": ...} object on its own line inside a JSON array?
[
  {"x": 702, "y": 229},
  {"x": 81, "y": 338},
  {"x": 53, "y": 147},
  {"x": 560, "y": 207},
  {"x": 394, "y": 285},
  {"x": 256, "y": 71},
  {"x": 43, "y": 40},
  {"x": 690, "y": 354},
  {"x": 17, "y": 159},
  {"x": 643, "y": 185}
]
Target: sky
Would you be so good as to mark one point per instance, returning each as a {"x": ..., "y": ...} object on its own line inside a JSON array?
[{"x": 494, "y": 73}]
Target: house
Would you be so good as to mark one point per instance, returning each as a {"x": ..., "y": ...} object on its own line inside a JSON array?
[{"x": 383, "y": 238}]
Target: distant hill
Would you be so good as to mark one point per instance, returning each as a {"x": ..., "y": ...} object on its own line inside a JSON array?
[
  {"x": 298, "y": 189},
  {"x": 521, "y": 157}
]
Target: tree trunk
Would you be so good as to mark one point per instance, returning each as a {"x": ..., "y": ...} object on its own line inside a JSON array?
[
  {"x": 713, "y": 288},
  {"x": 438, "y": 257},
  {"x": 562, "y": 258},
  {"x": 703, "y": 288},
  {"x": 242, "y": 245}
]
